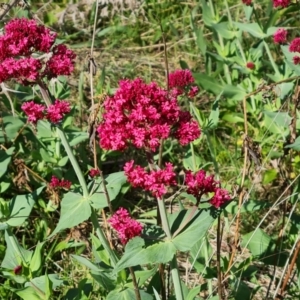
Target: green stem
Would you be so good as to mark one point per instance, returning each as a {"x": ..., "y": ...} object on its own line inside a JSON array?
[
  {"x": 174, "y": 267},
  {"x": 49, "y": 100},
  {"x": 74, "y": 162},
  {"x": 272, "y": 60},
  {"x": 103, "y": 239}
]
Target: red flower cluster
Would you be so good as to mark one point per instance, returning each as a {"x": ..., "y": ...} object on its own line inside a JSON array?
[
  {"x": 142, "y": 114},
  {"x": 199, "y": 184},
  {"x": 279, "y": 36},
  {"x": 250, "y": 65},
  {"x": 247, "y": 2},
  {"x": 182, "y": 80},
  {"x": 282, "y": 3},
  {"x": 295, "y": 47},
  {"x": 94, "y": 173},
  {"x": 23, "y": 38},
  {"x": 54, "y": 113},
  {"x": 153, "y": 181},
  {"x": 63, "y": 183},
  {"x": 126, "y": 227}
]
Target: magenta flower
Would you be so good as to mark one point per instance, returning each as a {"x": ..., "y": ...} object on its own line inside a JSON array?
[
  {"x": 33, "y": 111},
  {"x": 199, "y": 184},
  {"x": 280, "y": 36},
  {"x": 220, "y": 197},
  {"x": 250, "y": 65},
  {"x": 94, "y": 173},
  {"x": 61, "y": 62},
  {"x": 247, "y": 2},
  {"x": 21, "y": 39},
  {"x": 282, "y": 3},
  {"x": 296, "y": 60},
  {"x": 181, "y": 81},
  {"x": 139, "y": 114},
  {"x": 56, "y": 111},
  {"x": 154, "y": 181},
  {"x": 17, "y": 270},
  {"x": 63, "y": 183},
  {"x": 295, "y": 45},
  {"x": 126, "y": 227}
]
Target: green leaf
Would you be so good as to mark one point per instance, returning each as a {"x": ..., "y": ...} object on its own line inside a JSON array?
[
  {"x": 44, "y": 131},
  {"x": 207, "y": 16},
  {"x": 113, "y": 182},
  {"x": 137, "y": 254},
  {"x": 223, "y": 31},
  {"x": 193, "y": 293},
  {"x": 127, "y": 294},
  {"x": 295, "y": 145},
  {"x": 213, "y": 119},
  {"x": 105, "y": 279},
  {"x": 258, "y": 242},
  {"x": 75, "y": 137},
  {"x": 62, "y": 162},
  {"x": 277, "y": 122},
  {"x": 36, "y": 260},
  {"x": 75, "y": 209},
  {"x": 233, "y": 118},
  {"x": 144, "y": 275},
  {"x": 46, "y": 157},
  {"x": 20, "y": 208},
  {"x": 14, "y": 254},
  {"x": 40, "y": 282},
  {"x": 252, "y": 28},
  {"x": 208, "y": 83},
  {"x": 85, "y": 262},
  {"x": 99, "y": 252},
  {"x": 249, "y": 206},
  {"x": 234, "y": 92},
  {"x": 12, "y": 125},
  {"x": 48, "y": 287},
  {"x": 5, "y": 158},
  {"x": 194, "y": 231},
  {"x": 29, "y": 293}
]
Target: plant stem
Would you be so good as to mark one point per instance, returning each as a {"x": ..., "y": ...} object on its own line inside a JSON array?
[
  {"x": 174, "y": 267},
  {"x": 271, "y": 59},
  {"x": 48, "y": 98},
  {"x": 135, "y": 284},
  {"x": 219, "y": 258},
  {"x": 102, "y": 238}
]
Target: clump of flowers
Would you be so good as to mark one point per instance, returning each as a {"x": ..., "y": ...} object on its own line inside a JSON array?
[
  {"x": 182, "y": 81},
  {"x": 54, "y": 113},
  {"x": 28, "y": 54},
  {"x": 33, "y": 111},
  {"x": 57, "y": 183},
  {"x": 94, "y": 172},
  {"x": 281, "y": 3},
  {"x": 154, "y": 181},
  {"x": 141, "y": 114},
  {"x": 199, "y": 184},
  {"x": 279, "y": 36},
  {"x": 247, "y": 2},
  {"x": 126, "y": 227},
  {"x": 295, "y": 47}
]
